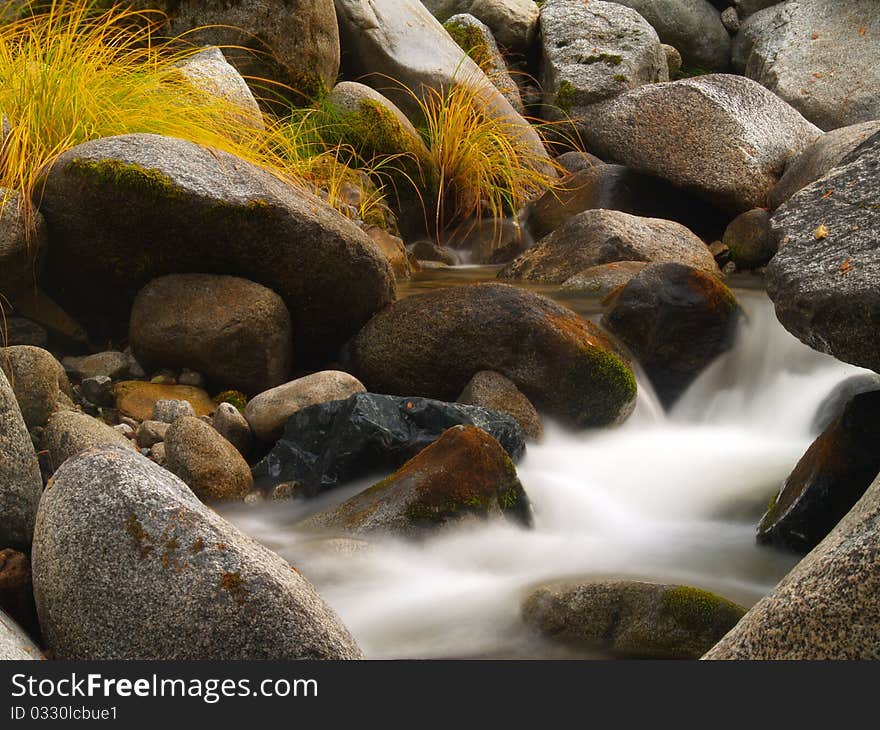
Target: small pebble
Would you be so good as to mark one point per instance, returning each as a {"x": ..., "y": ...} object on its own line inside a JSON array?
[{"x": 168, "y": 411}]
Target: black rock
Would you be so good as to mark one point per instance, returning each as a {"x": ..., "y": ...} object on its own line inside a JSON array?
[
  {"x": 328, "y": 444},
  {"x": 835, "y": 402},
  {"x": 828, "y": 480}
]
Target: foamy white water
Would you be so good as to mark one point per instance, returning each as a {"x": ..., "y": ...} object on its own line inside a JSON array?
[{"x": 671, "y": 498}]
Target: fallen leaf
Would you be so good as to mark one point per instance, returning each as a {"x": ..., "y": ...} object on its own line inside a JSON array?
[
  {"x": 863, "y": 30},
  {"x": 818, "y": 75},
  {"x": 828, "y": 194},
  {"x": 846, "y": 267},
  {"x": 821, "y": 232},
  {"x": 815, "y": 36}
]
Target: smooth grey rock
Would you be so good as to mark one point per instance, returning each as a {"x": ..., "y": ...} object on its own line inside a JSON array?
[
  {"x": 112, "y": 364},
  {"x": 602, "y": 280},
  {"x": 22, "y": 331},
  {"x": 22, "y": 252},
  {"x": 826, "y": 607},
  {"x": 477, "y": 40},
  {"x": 98, "y": 390},
  {"x": 210, "y": 72},
  {"x": 167, "y": 578},
  {"x": 749, "y": 7},
  {"x": 600, "y": 236},
  {"x": 492, "y": 390},
  {"x": 190, "y": 209},
  {"x": 825, "y": 278},
  {"x": 401, "y": 40},
  {"x": 15, "y": 644},
  {"x": 295, "y": 42},
  {"x": 268, "y": 412},
  {"x": 694, "y": 27},
  {"x": 631, "y": 618},
  {"x": 69, "y": 433},
  {"x": 233, "y": 426},
  {"x": 818, "y": 55},
  {"x": 206, "y": 462},
  {"x": 820, "y": 157},
  {"x": 595, "y": 51},
  {"x": 38, "y": 381},
  {"x": 150, "y": 433},
  {"x": 168, "y": 411},
  {"x": 20, "y": 481},
  {"x": 724, "y": 137},
  {"x": 234, "y": 331},
  {"x": 514, "y": 23}
]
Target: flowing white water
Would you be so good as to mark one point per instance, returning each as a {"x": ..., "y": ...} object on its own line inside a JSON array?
[{"x": 671, "y": 498}]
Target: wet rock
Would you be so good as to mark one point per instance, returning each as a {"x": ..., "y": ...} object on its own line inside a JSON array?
[
  {"x": 206, "y": 462},
  {"x": 21, "y": 251},
  {"x": 694, "y": 27},
  {"x": 723, "y": 137},
  {"x": 818, "y": 55},
  {"x": 432, "y": 344},
  {"x": 429, "y": 251},
  {"x": 38, "y": 381},
  {"x": 835, "y": 402},
  {"x": 191, "y": 209},
  {"x": 332, "y": 443},
  {"x": 394, "y": 250},
  {"x": 823, "y": 155},
  {"x": 824, "y": 279},
  {"x": 632, "y": 618},
  {"x": 20, "y": 481},
  {"x": 295, "y": 42},
  {"x": 597, "y": 237},
  {"x": 137, "y": 399},
  {"x": 492, "y": 390},
  {"x": 210, "y": 72},
  {"x": 514, "y": 23},
  {"x": 15, "y": 644},
  {"x": 400, "y": 39},
  {"x": 69, "y": 433},
  {"x": 828, "y": 480},
  {"x": 602, "y": 280},
  {"x": 169, "y": 578},
  {"x": 234, "y": 331},
  {"x": 594, "y": 51},
  {"x": 826, "y": 607},
  {"x": 111, "y": 364},
  {"x": 476, "y": 39},
  {"x": 232, "y": 425},
  {"x": 268, "y": 412},
  {"x": 465, "y": 474},
  {"x": 150, "y": 433},
  {"x": 748, "y": 239},
  {"x": 98, "y": 390},
  {"x": 17, "y": 591},
  {"x": 675, "y": 320}
]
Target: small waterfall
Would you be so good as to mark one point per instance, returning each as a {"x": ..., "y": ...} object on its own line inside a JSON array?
[{"x": 664, "y": 497}]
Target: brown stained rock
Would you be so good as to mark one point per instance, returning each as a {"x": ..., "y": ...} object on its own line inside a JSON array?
[{"x": 136, "y": 399}]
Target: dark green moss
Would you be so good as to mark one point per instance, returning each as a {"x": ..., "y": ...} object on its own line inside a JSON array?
[
  {"x": 700, "y": 610},
  {"x": 565, "y": 97},
  {"x": 471, "y": 41},
  {"x": 127, "y": 176},
  {"x": 233, "y": 397}
]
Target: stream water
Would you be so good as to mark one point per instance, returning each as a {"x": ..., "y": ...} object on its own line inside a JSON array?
[{"x": 668, "y": 497}]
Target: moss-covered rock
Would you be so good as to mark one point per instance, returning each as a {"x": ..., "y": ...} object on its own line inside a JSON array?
[
  {"x": 432, "y": 344},
  {"x": 465, "y": 473},
  {"x": 189, "y": 209},
  {"x": 675, "y": 320},
  {"x": 632, "y": 618}
]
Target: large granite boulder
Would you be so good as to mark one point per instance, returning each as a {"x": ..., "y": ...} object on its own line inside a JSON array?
[
  {"x": 825, "y": 278},
  {"x": 600, "y": 236},
  {"x": 233, "y": 331},
  {"x": 129, "y": 564},
  {"x": 631, "y": 618},
  {"x": 818, "y": 55},
  {"x": 828, "y": 480},
  {"x": 692, "y": 27},
  {"x": 724, "y": 137},
  {"x": 594, "y": 51},
  {"x": 675, "y": 320},
  {"x": 826, "y": 607},
  {"x": 432, "y": 344},
  {"x": 20, "y": 481},
  {"x": 398, "y": 47},
  {"x": 465, "y": 474},
  {"x": 191, "y": 209},
  {"x": 328, "y": 444}
]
